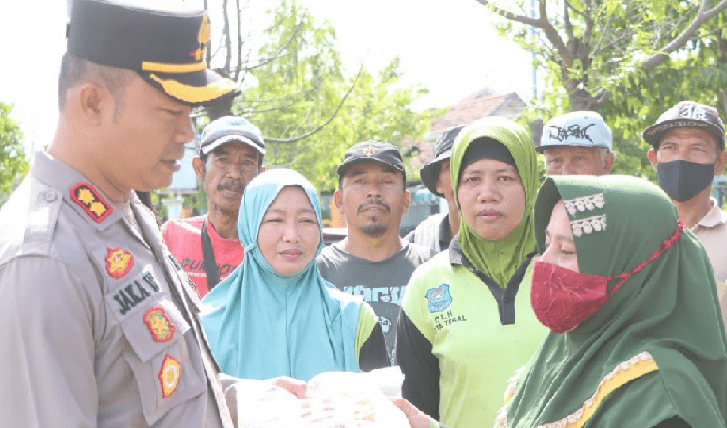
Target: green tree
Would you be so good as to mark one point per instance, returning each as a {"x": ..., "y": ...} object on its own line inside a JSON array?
[
  {"x": 630, "y": 60},
  {"x": 13, "y": 165},
  {"x": 310, "y": 110},
  {"x": 306, "y": 93}
]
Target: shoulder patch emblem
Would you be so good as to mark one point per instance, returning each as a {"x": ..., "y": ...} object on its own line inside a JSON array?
[
  {"x": 88, "y": 198},
  {"x": 169, "y": 375},
  {"x": 438, "y": 298},
  {"x": 118, "y": 262},
  {"x": 160, "y": 326}
]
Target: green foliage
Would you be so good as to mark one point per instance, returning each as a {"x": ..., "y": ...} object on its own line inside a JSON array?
[
  {"x": 13, "y": 165},
  {"x": 302, "y": 88},
  {"x": 602, "y": 65}
]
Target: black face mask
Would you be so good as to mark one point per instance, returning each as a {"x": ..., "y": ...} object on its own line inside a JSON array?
[{"x": 682, "y": 180}]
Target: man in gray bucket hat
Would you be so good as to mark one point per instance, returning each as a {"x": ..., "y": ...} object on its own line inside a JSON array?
[{"x": 437, "y": 230}]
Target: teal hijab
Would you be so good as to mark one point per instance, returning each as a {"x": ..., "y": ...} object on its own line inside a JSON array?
[
  {"x": 262, "y": 325},
  {"x": 666, "y": 314}
]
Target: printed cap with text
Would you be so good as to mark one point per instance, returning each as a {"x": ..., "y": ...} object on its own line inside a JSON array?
[
  {"x": 688, "y": 114},
  {"x": 229, "y": 129},
  {"x": 577, "y": 128},
  {"x": 165, "y": 42},
  {"x": 372, "y": 151}
]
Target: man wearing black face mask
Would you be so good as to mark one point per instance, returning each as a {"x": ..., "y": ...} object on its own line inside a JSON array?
[{"x": 689, "y": 150}]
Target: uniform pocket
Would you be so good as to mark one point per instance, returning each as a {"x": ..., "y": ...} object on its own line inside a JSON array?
[{"x": 158, "y": 356}]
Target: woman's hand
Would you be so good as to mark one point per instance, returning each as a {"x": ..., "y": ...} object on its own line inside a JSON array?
[
  {"x": 417, "y": 418},
  {"x": 294, "y": 386}
]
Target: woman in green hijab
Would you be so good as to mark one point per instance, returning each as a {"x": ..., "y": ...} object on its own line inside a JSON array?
[
  {"x": 637, "y": 337},
  {"x": 466, "y": 322}
]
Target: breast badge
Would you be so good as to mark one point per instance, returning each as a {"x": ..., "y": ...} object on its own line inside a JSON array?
[
  {"x": 91, "y": 202},
  {"x": 169, "y": 375},
  {"x": 118, "y": 262},
  {"x": 160, "y": 326},
  {"x": 438, "y": 298}
]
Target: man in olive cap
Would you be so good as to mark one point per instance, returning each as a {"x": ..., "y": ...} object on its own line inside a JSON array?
[
  {"x": 437, "y": 230},
  {"x": 98, "y": 324}
]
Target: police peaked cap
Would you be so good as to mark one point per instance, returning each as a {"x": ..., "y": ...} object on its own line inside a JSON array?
[{"x": 167, "y": 47}]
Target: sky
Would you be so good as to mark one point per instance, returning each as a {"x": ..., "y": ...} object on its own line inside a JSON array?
[{"x": 449, "y": 47}]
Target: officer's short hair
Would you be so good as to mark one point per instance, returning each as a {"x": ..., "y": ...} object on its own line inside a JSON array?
[{"x": 75, "y": 70}]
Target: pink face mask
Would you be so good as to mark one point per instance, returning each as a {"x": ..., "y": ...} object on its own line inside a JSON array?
[{"x": 562, "y": 298}]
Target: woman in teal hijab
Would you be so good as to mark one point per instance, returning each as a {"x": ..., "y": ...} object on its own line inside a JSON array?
[
  {"x": 637, "y": 337},
  {"x": 275, "y": 315},
  {"x": 466, "y": 322}
]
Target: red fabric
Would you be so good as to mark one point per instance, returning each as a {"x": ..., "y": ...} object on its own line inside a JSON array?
[
  {"x": 562, "y": 298},
  {"x": 185, "y": 243}
]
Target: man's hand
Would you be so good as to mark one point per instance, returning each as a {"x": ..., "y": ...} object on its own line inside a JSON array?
[{"x": 417, "y": 418}]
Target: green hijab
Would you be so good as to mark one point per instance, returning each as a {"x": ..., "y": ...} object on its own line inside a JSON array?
[
  {"x": 499, "y": 259},
  {"x": 668, "y": 309}
]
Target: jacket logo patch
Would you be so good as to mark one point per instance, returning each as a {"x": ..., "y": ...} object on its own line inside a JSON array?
[
  {"x": 160, "y": 326},
  {"x": 169, "y": 375},
  {"x": 438, "y": 298},
  {"x": 118, "y": 262},
  {"x": 91, "y": 201}
]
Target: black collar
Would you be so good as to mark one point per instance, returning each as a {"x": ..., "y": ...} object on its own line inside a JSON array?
[
  {"x": 444, "y": 237},
  {"x": 505, "y": 297}
]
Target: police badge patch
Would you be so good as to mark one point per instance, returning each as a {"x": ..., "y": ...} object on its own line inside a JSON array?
[
  {"x": 160, "y": 326},
  {"x": 169, "y": 375},
  {"x": 438, "y": 298},
  {"x": 118, "y": 262}
]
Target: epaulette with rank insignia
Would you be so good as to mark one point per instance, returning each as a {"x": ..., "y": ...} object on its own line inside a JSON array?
[{"x": 91, "y": 201}]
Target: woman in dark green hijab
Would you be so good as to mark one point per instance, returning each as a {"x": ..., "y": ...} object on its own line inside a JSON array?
[
  {"x": 466, "y": 322},
  {"x": 637, "y": 337}
]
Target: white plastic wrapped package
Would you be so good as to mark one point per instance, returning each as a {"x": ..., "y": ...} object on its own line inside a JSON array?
[{"x": 332, "y": 400}]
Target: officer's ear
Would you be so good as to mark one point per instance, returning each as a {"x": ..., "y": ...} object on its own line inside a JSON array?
[{"x": 95, "y": 103}]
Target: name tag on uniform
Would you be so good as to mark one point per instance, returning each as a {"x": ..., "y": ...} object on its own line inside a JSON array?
[{"x": 132, "y": 293}]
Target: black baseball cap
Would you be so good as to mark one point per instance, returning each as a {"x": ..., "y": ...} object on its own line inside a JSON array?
[
  {"x": 689, "y": 114},
  {"x": 442, "y": 152},
  {"x": 166, "y": 46},
  {"x": 372, "y": 151}
]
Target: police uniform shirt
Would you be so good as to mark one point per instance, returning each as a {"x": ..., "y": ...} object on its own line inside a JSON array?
[{"x": 97, "y": 324}]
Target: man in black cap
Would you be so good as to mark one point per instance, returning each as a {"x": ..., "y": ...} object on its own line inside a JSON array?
[
  {"x": 98, "y": 323},
  {"x": 373, "y": 261},
  {"x": 207, "y": 246},
  {"x": 688, "y": 151},
  {"x": 437, "y": 230}
]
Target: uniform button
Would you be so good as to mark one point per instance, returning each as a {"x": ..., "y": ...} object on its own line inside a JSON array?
[{"x": 50, "y": 196}]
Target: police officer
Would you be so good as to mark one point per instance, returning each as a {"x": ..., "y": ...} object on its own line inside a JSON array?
[{"x": 98, "y": 326}]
